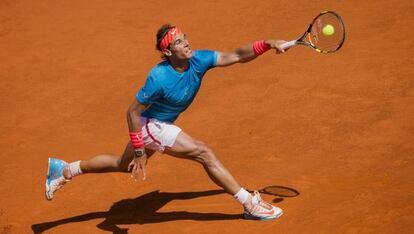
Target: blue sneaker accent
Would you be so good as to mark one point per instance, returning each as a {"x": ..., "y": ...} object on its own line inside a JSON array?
[{"x": 54, "y": 178}]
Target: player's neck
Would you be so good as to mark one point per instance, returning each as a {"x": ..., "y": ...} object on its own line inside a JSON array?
[{"x": 179, "y": 65}]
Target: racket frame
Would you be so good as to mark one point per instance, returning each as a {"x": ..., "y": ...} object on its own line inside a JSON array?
[{"x": 300, "y": 40}]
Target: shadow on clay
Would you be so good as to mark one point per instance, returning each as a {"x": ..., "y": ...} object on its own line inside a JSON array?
[{"x": 144, "y": 209}]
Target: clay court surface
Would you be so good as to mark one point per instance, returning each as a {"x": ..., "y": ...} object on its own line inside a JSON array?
[{"x": 336, "y": 128}]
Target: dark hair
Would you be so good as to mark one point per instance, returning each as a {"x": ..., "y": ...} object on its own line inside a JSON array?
[{"x": 161, "y": 34}]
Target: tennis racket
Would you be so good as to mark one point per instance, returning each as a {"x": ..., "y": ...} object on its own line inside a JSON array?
[{"x": 315, "y": 38}]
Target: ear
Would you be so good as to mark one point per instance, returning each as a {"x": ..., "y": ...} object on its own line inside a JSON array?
[{"x": 166, "y": 52}]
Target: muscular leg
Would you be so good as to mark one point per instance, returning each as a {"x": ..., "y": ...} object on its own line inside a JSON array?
[
  {"x": 108, "y": 163},
  {"x": 188, "y": 148},
  {"x": 254, "y": 207}
]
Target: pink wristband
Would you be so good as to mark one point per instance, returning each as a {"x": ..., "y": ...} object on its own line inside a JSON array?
[
  {"x": 259, "y": 47},
  {"x": 137, "y": 140}
]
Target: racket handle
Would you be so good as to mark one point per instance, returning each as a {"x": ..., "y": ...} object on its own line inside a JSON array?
[{"x": 288, "y": 44}]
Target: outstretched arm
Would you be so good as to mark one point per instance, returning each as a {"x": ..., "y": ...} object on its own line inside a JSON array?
[{"x": 249, "y": 52}]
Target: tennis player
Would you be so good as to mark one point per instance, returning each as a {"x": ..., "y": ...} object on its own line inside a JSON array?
[{"x": 170, "y": 88}]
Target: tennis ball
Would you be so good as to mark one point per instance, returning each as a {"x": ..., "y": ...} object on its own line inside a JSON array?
[{"x": 328, "y": 30}]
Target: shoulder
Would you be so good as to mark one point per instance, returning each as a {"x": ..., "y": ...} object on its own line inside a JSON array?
[
  {"x": 156, "y": 77},
  {"x": 158, "y": 72},
  {"x": 206, "y": 58},
  {"x": 200, "y": 54}
]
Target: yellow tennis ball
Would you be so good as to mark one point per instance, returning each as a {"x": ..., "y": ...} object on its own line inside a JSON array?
[{"x": 328, "y": 30}]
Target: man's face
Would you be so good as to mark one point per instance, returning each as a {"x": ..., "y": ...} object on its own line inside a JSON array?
[{"x": 180, "y": 48}]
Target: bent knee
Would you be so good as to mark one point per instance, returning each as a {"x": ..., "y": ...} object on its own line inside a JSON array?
[
  {"x": 204, "y": 154},
  {"x": 199, "y": 148}
]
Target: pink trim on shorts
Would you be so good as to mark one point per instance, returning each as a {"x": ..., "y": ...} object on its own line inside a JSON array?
[{"x": 149, "y": 133}]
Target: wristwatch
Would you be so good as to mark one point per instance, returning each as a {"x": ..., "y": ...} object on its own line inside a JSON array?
[{"x": 139, "y": 152}]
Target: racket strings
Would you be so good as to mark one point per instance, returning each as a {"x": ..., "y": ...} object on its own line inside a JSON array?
[{"x": 323, "y": 42}]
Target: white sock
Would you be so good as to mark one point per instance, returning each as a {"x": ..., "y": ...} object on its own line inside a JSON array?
[
  {"x": 242, "y": 195},
  {"x": 75, "y": 169}
]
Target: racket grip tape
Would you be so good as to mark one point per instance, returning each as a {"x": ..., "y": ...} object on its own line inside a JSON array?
[{"x": 288, "y": 44}]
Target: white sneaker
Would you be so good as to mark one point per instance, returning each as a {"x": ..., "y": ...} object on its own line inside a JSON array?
[{"x": 261, "y": 210}]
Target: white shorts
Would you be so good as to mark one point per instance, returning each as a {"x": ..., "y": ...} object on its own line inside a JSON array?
[{"x": 157, "y": 134}]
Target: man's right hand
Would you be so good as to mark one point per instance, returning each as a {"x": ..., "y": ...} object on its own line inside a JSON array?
[{"x": 137, "y": 165}]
